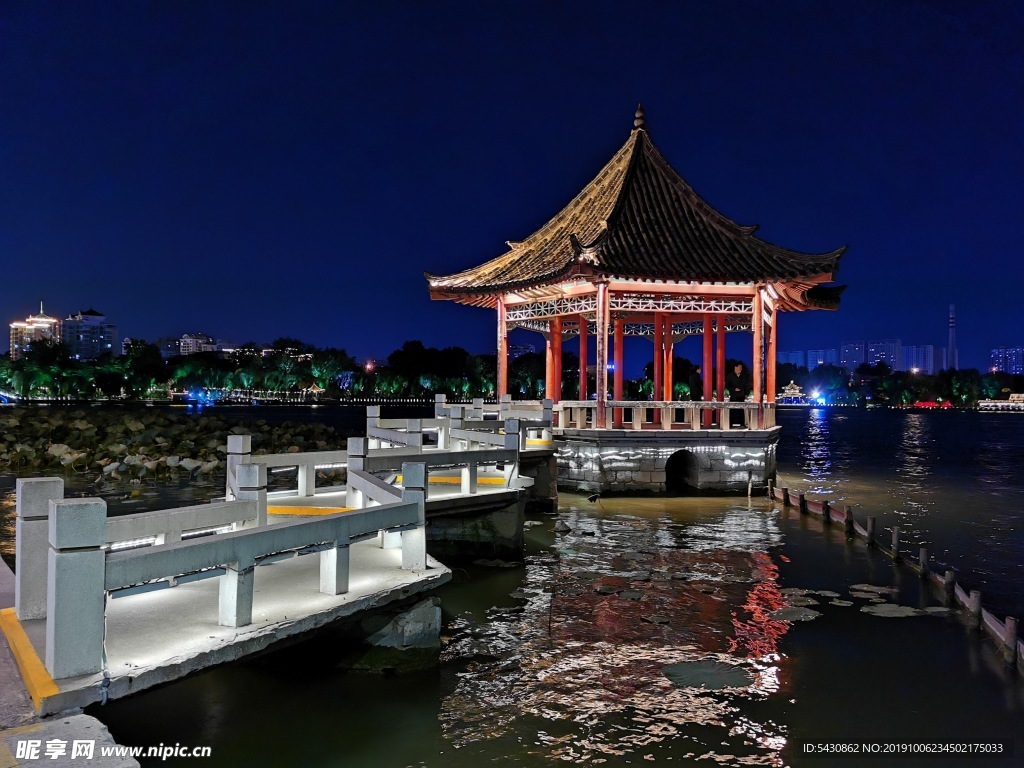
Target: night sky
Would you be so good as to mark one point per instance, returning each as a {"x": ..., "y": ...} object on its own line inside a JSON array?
[{"x": 255, "y": 170}]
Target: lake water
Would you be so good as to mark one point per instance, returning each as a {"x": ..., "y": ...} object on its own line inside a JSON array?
[{"x": 590, "y": 650}]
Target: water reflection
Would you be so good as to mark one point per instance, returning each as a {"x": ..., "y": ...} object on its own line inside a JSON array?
[
  {"x": 816, "y": 449},
  {"x": 625, "y": 593}
]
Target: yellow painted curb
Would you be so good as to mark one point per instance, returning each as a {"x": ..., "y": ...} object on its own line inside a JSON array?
[
  {"x": 538, "y": 442},
  {"x": 33, "y": 672},
  {"x": 441, "y": 480},
  {"x": 307, "y": 511}
]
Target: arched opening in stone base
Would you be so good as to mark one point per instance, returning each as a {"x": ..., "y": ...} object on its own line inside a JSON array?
[{"x": 681, "y": 472}]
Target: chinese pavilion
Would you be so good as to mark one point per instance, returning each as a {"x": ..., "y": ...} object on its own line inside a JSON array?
[{"x": 639, "y": 253}]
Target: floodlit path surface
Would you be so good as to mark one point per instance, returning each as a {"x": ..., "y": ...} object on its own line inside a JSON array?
[
  {"x": 166, "y": 634},
  {"x": 20, "y": 723}
]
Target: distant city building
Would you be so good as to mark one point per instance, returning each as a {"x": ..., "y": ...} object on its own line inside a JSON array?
[
  {"x": 952, "y": 361},
  {"x": 518, "y": 350},
  {"x": 919, "y": 358},
  {"x": 794, "y": 358},
  {"x": 188, "y": 344},
  {"x": 88, "y": 335},
  {"x": 816, "y": 357},
  {"x": 1008, "y": 360},
  {"x": 34, "y": 328},
  {"x": 852, "y": 354},
  {"x": 888, "y": 351}
]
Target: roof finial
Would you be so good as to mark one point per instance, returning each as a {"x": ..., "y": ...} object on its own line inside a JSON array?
[{"x": 639, "y": 119}]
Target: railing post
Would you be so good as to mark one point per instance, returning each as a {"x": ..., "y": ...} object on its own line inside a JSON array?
[
  {"x": 252, "y": 486},
  {"x": 1010, "y": 640},
  {"x": 415, "y": 427},
  {"x": 896, "y": 543},
  {"x": 468, "y": 483},
  {"x": 974, "y": 609},
  {"x": 477, "y": 411},
  {"x": 440, "y": 406},
  {"x": 848, "y": 522},
  {"x": 236, "y": 590},
  {"x": 239, "y": 451},
  {"x": 372, "y": 421},
  {"x": 785, "y": 497},
  {"x": 334, "y": 568},
  {"x": 922, "y": 560},
  {"x": 307, "y": 478},
  {"x": 75, "y": 596},
  {"x": 871, "y": 530},
  {"x": 803, "y": 502},
  {"x": 949, "y": 585},
  {"x": 414, "y": 540},
  {"x": 356, "y": 463},
  {"x": 32, "y": 510}
]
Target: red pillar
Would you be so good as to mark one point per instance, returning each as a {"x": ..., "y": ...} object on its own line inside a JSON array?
[
  {"x": 773, "y": 354},
  {"x": 658, "y": 358},
  {"x": 709, "y": 336},
  {"x": 720, "y": 378},
  {"x": 502, "y": 382},
  {"x": 556, "y": 348},
  {"x": 667, "y": 345},
  {"x": 603, "y": 316},
  {"x": 757, "y": 323},
  {"x": 583, "y": 357},
  {"x": 617, "y": 378}
]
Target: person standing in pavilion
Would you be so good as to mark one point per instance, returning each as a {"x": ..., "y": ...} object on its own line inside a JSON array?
[
  {"x": 737, "y": 384},
  {"x": 696, "y": 384}
]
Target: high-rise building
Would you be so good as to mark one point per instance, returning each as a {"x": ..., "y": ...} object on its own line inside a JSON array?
[
  {"x": 919, "y": 358},
  {"x": 797, "y": 358},
  {"x": 34, "y": 328},
  {"x": 1008, "y": 360},
  {"x": 816, "y": 357},
  {"x": 888, "y": 351},
  {"x": 518, "y": 350},
  {"x": 852, "y": 354},
  {"x": 88, "y": 335},
  {"x": 952, "y": 361}
]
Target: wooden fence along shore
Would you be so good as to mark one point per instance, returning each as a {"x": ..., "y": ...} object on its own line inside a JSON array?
[{"x": 1003, "y": 633}]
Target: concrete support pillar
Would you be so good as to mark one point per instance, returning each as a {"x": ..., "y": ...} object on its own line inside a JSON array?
[
  {"x": 31, "y": 527},
  {"x": 584, "y": 343},
  {"x": 75, "y": 596},
  {"x": 468, "y": 483},
  {"x": 356, "y": 462},
  {"x": 252, "y": 486},
  {"x": 502, "y": 382},
  {"x": 334, "y": 569},
  {"x": 236, "y": 591},
  {"x": 603, "y": 315},
  {"x": 414, "y": 540}
]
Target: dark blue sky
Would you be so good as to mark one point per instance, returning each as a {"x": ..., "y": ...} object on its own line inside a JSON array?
[{"x": 257, "y": 169}]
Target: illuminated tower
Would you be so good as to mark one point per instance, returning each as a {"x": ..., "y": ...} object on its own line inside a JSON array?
[{"x": 951, "y": 359}]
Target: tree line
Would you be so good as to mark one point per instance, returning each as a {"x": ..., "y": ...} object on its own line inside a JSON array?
[{"x": 291, "y": 369}]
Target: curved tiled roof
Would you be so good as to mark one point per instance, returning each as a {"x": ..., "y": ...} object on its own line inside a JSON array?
[{"x": 640, "y": 219}]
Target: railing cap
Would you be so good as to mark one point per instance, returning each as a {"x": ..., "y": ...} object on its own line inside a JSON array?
[
  {"x": 239, "y": 443},
  {"x": 34, "y": 495},
  {"x": 78, "y": 523}
]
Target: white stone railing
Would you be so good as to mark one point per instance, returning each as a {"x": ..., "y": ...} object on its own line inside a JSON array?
[
  {"x": 362, "y": 462},
  {"x": 81, "y": 570},
  {"x": 407, "y": 433},
  {"x": 583, "y": 414},
  {"x": 240, "y": 452},
  {"x": 535, "y": 417}
]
